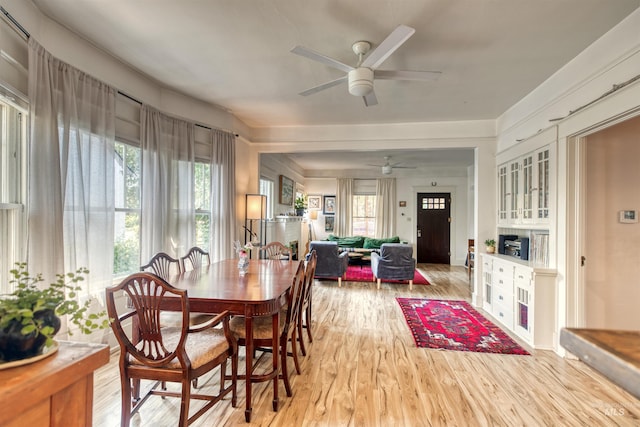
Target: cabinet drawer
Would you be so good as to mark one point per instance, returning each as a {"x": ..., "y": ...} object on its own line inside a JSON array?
[
  {"x": 504, "y": 313},
  {"x": 522, "y": 276}
]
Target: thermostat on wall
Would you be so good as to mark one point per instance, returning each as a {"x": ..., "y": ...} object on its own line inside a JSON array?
[{"x": 628, "y": 216}]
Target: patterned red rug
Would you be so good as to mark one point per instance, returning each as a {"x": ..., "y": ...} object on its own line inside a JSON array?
[
  {"x": 454, "y": 325},
  {"x": 356, "y": 273}
]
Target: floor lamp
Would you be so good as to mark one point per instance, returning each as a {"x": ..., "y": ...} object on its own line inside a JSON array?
[
  {"x": 255, "y": 210},
  {"x": 313, "y": 215}
]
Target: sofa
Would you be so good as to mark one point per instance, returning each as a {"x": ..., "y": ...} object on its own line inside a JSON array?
[
  {"x": 331, "y": 262},
  {"x": 394, "y": 262},
  {"x": 361, "y": 242}
]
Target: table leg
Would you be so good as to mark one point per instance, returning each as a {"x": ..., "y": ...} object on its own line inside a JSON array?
[
  {"x": 276, "y": 353},
  {"x": 249, "y": 362}
]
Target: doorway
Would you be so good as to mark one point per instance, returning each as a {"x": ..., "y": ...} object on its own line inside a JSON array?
[{"x": 433, "y": 228}]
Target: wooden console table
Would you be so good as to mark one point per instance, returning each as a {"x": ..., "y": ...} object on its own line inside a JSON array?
[{"x": 55, "y": 391}]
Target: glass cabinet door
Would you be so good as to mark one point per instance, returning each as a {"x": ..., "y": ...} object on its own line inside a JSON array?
[
  {"x": 542, "y": 160},
  {"x": 514, "y": 191},
  {"x": 502, "y": 194},
  {"x": 527, "y": 188}
]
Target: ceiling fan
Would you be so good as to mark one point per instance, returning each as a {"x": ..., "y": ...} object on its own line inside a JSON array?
[
  {"x": 360, "y": 77},
  {"x": 387, "y": 167}
]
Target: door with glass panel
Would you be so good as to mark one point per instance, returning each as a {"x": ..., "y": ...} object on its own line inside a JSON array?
[{"x": 433, "y": 228}]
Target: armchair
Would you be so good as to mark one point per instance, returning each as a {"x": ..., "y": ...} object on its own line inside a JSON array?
[
  {"x": 394, "y": 262},
  {"x": 331, "y": 263}
]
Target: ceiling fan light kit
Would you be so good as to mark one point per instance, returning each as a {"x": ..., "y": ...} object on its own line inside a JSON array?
[
  {"x": 387, "y": 169},
  {"x": 360, "y": 78},
  {"x": 360, "y": 81}
]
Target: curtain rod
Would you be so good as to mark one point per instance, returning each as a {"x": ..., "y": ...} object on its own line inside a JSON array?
[
  {"x": 197, "y": 124},
  {"x": 14, "y": 22}
]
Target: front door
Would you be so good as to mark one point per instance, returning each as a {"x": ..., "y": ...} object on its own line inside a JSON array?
[{"x": 434, "y": 228}]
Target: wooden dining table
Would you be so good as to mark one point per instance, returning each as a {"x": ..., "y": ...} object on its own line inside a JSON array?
[{"x": 261, "y": 291}]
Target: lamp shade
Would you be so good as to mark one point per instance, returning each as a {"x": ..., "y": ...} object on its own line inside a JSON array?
[
  {"x": 313, "y": 215},
  {"x": 256, "y": 206}
]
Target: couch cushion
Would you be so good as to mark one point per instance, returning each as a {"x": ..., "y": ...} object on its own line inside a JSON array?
[
  {"x": 370, "y": 243},
  {"x": 348, "y": 242}
]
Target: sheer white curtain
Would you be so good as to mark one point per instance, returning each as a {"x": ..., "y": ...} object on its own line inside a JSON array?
[
  {"x": 167, "y": 210},
  {"x": 385, "y": 207},
  {"x": 223, "y": 194},
  {"x": 344, "y": 207},
  {"x": 71, "y": 158}
]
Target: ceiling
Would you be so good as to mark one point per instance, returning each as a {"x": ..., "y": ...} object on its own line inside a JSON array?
[{"x": 236, "y": 54}]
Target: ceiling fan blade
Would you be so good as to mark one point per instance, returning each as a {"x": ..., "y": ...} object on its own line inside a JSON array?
[
  {"x": 323, "y": 86},
  {"x": 388, "y": 46},
  {"x": 370, "y": 99},
  {"x": 311, "y": 54},
  {"x": 406, "y": 75}
]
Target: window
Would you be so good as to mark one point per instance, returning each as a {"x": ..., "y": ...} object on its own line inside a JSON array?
[
  {"x": 12, "y": 189},
  {"x": 267, "y": 188},
  {"x": 126, "y": 257},
  {"x": 202, "y": 188},
  {"x": 364, "y": 215}
]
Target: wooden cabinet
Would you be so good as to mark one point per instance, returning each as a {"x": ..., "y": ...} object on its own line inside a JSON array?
[
  {"x": 521, "y": 298},
  {"x": 524, "y": 187},
  {"x": 55, "y": 391}
]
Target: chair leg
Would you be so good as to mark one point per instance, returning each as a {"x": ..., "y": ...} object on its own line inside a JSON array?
[
  {"x": 195, "y": 383},
  {"x": 223, "y": 371},
  {"x": 301, "y": 335},
  {"x": 294, "y": 350},
  {"x": 184, "y": 404},
  {"x": 339, "y": 281},
  {"x": 127, "y": 398},
  {"x": 308, "y": 321},
  {"x": 234, "y": 375},
  {"x": 410, "y": 284},
  {"x": 284, "y": 368},
  {"x": 378, "y": 283}
]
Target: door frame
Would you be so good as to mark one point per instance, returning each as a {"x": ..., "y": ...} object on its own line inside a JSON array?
[{"x": 452, "y": 225}]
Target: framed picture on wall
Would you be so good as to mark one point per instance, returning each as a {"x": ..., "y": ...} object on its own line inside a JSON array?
[
  {"x": 286, "y": 191},
  {"x": 329, "y": 222},
  {"x": 314, "y": 202},
  {"x": 329, "y": 205}
]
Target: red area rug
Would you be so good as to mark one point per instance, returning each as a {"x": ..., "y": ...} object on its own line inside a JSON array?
[
  {"x": 356, "y": 273},
  {"x": 454, "y": 325}
]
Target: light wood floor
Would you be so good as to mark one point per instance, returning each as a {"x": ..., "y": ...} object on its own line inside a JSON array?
[{"x": 363, "y": 369}]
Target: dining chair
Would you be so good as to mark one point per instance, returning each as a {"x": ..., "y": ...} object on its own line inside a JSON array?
[
  {"x": 304, "y": 317},
  {"x": 163, "y": 265},
  {"x": 151, "y": 351},
  {"x": 470, "y": 256},
  {"x": 276, "y": 250},
  {"x": 196, "y": 257},
  {"x": 263, "y": 336}
]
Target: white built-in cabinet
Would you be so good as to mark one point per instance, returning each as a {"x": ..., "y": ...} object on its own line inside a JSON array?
[
  {"x": 524, "y": 186},
  {"x": 521, "y": 297}
]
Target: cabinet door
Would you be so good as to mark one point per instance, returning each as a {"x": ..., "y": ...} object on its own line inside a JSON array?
[
  {"x": 514, "y": 192},
  {"x": 523, "y": 304},
  {"x": 503, "y": 191},
  {"x": 543, "y": 176},
  {"x": 487, "y": 283},
  {"x": 527, "y": 190}
]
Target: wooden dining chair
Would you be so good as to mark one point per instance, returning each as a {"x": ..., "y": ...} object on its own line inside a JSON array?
[
  {"x": 196, "y": 258},
  {"x": 163, "y": 265},
  {"x": 263, "y": 337},
  {"x": 276, "y": 250},
  {"x": 471, "y": 255},
  {"x": 304, "y": 316},
  {"x": 151, "y": 351}
]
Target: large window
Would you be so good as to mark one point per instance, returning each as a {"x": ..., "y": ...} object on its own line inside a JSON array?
[
  {"x": 364, "y": 215},
  {"x": 126, "y": 257},
  {"x": 12, "y": 189},
  {"x": 267, "y": 188},
  {"x": 202, "y": 186}
]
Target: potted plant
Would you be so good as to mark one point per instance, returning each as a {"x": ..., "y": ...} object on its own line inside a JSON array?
[
  {"x": 300, "y": 204},
  {"x": 29, "y": 315},
  {"x": 490, "y": 245}
]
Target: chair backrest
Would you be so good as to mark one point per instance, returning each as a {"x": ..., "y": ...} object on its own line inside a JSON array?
[
  {"x": 309, "y": 274},
  {"x": 471, "y": 252},
  {"x": 399, "y": 253},
  {"x": 146, "y": 293},
  {"x": 196, "y": 257},
  {"x": 295, "y": 297},
  {"x": 163, "y": 265},
  {"x": 276, "y": 250}
]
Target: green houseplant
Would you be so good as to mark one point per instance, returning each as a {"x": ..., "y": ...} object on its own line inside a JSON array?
[
  {"x": 300, "y": 204},
  {"x": 29, "y": 315},
  {"x": 490, "y": 245}
]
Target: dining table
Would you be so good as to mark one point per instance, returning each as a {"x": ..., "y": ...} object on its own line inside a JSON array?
[{"x": 260, "y": 291}]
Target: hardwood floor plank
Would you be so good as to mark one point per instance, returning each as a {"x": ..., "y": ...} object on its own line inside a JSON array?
[{"x": 363, "y": 369}]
